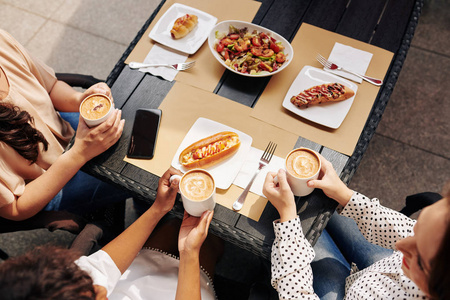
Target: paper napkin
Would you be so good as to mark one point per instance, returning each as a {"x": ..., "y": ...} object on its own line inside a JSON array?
[
  {"x": 351, "y": 59},
  {"x": 249, "y": 168},
  {"x": 160, "y": 54}
]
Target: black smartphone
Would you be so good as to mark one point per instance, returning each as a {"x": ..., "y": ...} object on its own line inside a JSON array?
[{"x": 145, "y": 133}]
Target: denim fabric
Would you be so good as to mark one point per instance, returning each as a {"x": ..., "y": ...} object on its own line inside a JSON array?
[
  {"x": 340, "y": 245},
  {"x": 352, "y": 243},
  {"x": 71, "y": 117},
  {"x": 330, "y": 269},
  {"x": 84, "y": 193}
]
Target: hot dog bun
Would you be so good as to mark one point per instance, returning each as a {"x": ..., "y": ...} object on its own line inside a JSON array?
[
  {"x": 210, "y": 150},
  {"x": 183, "y": 26}
]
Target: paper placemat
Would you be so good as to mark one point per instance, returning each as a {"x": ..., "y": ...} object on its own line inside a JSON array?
[
  {"x": 183, "y": 106},
  {"x": 309, "y": 41},
  {"x": 207, "y": 71}
]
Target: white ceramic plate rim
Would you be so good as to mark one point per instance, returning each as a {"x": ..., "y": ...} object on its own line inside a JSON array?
[
  {"x": 224, "y": 26},
  {"x": 193, "y": 41},
  {"x": 327, "y": 114},
  {"x": 225, "y": 172}
]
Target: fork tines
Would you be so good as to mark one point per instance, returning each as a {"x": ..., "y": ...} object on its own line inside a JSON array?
[
  {"x": 323, "y": 60},
  {"x": 268, "y": 153},
  {"x": 187, "y": 65}
]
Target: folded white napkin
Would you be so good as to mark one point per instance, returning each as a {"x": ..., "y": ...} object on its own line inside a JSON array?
[
  {"x": 249, "y": 168},
  {"x": 160, "y": 54},
  {"x": 351, "y": 59}
]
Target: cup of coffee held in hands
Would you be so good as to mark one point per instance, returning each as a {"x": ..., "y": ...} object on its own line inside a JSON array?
[
  {"x": 95, "y": 109},
  {"x": 302, "y": 165},
  {"x": 198, "y": 190}
]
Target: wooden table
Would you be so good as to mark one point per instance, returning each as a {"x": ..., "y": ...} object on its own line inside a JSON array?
[{"x": 387, "y": 24}]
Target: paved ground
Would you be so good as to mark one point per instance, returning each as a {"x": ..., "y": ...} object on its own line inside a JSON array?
[{"x": 410, "y": 151}]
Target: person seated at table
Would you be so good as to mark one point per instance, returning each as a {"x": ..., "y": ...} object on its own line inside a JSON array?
[
  {"x": 417, "y": 268},
  {"x": 35, "y": 174},
  {"x": 132, "y": 266}
]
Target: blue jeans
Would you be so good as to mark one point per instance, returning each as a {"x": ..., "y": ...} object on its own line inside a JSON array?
[
  {"x": 340, "y": 244},
  {"x": 84, "y": 193}
]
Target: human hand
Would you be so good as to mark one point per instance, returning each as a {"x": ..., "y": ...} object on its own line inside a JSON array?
[
  {"x": 90, "y": 142},
  {"x": 167, "y": 191},
  {"x": 331, "y": 184},
  {"x": 98, "y": 88},
  {"x": 280, "y": 195},
  {"x": 193, "y": 232}
]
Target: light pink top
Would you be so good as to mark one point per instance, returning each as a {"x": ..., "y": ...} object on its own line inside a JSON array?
[{"x": 30, "y": 82}]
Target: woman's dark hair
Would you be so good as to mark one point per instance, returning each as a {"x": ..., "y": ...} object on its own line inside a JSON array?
[
  {"x": 47, "y": 272},
  {"x": 439, "y": 281},
  {"x": 16, "y": 131}
]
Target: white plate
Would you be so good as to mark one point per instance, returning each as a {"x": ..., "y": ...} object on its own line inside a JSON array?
[
  {"x": 330, "y": 114},
  {"x": 224, "y": 172},
  {"x": 224, "y": 27},
  {"x": 194, "y": 39}
]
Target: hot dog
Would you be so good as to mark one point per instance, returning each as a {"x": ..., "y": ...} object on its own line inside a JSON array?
[{"x": 210, "y": 150}]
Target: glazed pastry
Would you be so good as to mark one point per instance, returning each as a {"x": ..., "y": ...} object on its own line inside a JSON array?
[
  {"x": 183, "y": 26},
  {"x": 322, "y": 93}
]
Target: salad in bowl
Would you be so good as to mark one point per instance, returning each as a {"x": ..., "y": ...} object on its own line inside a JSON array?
[{"x": 248, "y": 49}]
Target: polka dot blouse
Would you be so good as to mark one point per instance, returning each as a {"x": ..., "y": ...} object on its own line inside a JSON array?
[{"x": 292, "y": 255}]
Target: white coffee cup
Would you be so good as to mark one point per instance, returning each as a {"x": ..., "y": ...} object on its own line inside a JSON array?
[
  {"x": 302, "y": 165},
  {"x": 198, "y": 191},
  {"x": 95, "y": 109}
]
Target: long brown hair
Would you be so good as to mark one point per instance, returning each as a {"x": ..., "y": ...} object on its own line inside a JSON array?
[
  {"x": 47, "y": 272},
  {"x": 439, "y": 280},
  {"x": 16, "y": 131}
]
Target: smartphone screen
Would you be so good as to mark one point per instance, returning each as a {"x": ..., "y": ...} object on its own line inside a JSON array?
[{"x": 145, "y": 133}]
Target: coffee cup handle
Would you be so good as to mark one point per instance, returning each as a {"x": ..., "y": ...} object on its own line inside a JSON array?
[{"x": 173, "y": 177}]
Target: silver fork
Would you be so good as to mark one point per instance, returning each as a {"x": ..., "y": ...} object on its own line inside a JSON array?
[
  {"x": 329, "y": 65},
  {"x": 179, "y": 67},
  {"x": 263, "y": 161}
]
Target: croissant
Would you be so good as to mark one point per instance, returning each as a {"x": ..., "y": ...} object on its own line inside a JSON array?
[{"x": 183, "y": 26}]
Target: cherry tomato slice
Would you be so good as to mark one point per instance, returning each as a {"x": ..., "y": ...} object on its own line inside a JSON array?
[
  {"x": 220, "y": 47},
  {"x": 256, "y": 41},
  {"x": 274, "y": 47}
]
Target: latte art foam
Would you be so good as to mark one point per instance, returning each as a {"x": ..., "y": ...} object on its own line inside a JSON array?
[
  {"x": 197, "y": 185},
  {"x": 302, "y": 164},
  {"x": 95, "y": 107}
]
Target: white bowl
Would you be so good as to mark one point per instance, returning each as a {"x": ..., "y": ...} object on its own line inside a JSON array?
[{"x": 224, "y": 27}]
